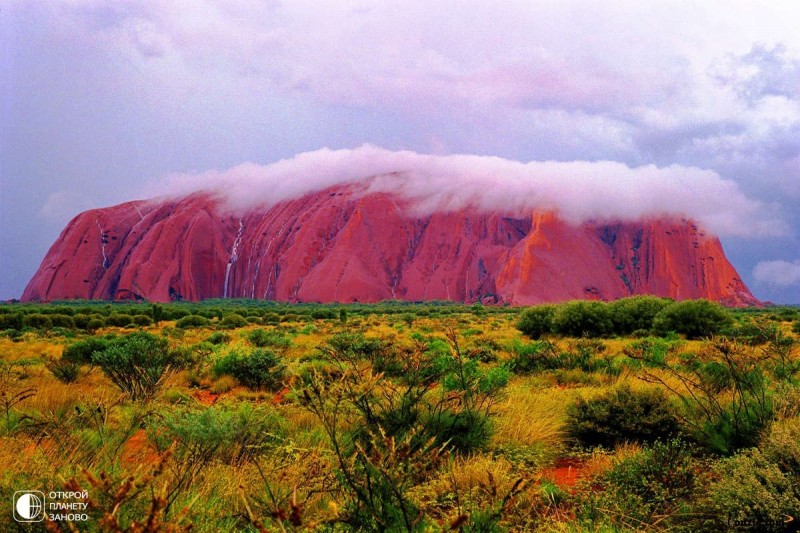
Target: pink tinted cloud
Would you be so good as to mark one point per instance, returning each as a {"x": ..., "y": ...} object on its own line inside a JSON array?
[{"x": 577, "y": 190}]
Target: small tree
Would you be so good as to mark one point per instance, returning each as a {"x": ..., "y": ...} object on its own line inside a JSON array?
[
  {"x": 375, "y": 430},
  {"x": 158, "y": 313},
  {"x": 723, "y": 423},
  {"x": 11, "y": 392},
  {"x": 462, "y": 416},
  {"x": 386, "y": 433}
]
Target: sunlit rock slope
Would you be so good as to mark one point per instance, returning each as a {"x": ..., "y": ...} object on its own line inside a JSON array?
[{"x": 340, "y": 245}]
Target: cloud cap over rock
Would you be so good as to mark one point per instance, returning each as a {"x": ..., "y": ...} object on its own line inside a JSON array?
[{"x": 578, "y": 191}]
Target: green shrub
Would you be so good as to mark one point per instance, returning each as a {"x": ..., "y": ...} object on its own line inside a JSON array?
[
  {"x": 782, "y": 445},
  {"x": 11, "y": 321},
  {"x": 81, "y": 320},
  {"x": 119, "y": 320},
  {"x": 259, "y": 369},
  {"x": 738, "y": 425},
  {"x": 272, "y": 318},
  {"x": 651, "y": 351},
  {"x": 142, "y": 320},
  {"x": 219, "y": 337},
  {"x": 64, "y": 371},
  {"x": 381, "y": 447},
  {"x": 536, "y": 321},
  {"x": 751, "y": 488},
  {"x": 197, "y": 438},
  {"x": 81, "y": 352},
  {"x": 636, "y": 313},
  {"x": 14, "y": 334},
  {"x": 622, "y": 415},
  {"x": 94, "y": 324},
  {"x": 272, "y": 339},
  {"x": 319, "y": 314},
  {"x": 463, "y": 431},
  {"x": 157, "y": 312},
  {"x": 192, "y": 321},
  {"x": 233, "y": 321},
  {"x": 583, "y": 318},
  {"x": 37, "y": 321},
  {"x": 796, "y": 327},
  {"x": 693, "y": 318},
  {"x": 585, "y": 354},
  {"x": 408, "y": 319},
  {"x": 230, "y": 435},
  {"x": 357, "y": 346},
  {"x": 171, "y": 312},
  {"x": 137, "y": 364},
  {"x": 468, "y": 427},
  {"x": 651, "y": 488},
  {"x": 60, "y": 320},
  {"x": 722, "y": 423},
  {"x": 459, "y": 419},
  {"x": 533, "y": 357},
  {"x": 753, "y": 334}
]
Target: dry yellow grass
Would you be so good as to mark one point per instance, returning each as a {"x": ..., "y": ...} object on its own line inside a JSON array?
[
  {"x": 480, "y": 483},
  {"x": 30, "y": 347},
  {"x": 528, "y": 416},
  {"x": 601, "y": 462},
  {"x": 52, "y": 394},
  {"x": 300, "y": 419}
]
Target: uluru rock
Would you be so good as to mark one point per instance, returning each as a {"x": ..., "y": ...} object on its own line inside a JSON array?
[{"x": 344, "y": 245}]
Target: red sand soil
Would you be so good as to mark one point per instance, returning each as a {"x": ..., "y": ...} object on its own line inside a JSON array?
[
  {"x": 565, "y": 473},
  {"x": 206, "y": 397},
  {"x": 280, "y": 396},
  {"x": 138, "y": 450}
]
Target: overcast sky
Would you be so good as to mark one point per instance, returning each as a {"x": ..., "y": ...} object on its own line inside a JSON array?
[{"x": 106, "y": 101}]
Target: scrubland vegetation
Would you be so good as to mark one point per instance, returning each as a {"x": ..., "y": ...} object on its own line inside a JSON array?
[{"x": 637, "y": 415}]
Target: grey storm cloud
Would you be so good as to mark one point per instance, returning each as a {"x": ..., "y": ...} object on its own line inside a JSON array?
[
  {"x": 766, "y": 70},
  {"x": 778, "y": 273}
]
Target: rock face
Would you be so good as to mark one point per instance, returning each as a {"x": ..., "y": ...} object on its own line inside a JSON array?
[{"x": 342, "y": 246}]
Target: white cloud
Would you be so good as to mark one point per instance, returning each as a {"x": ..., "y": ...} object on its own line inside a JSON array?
[
  {"x": 577, "y": 190},
  {"x": 778, "y": 273}
]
